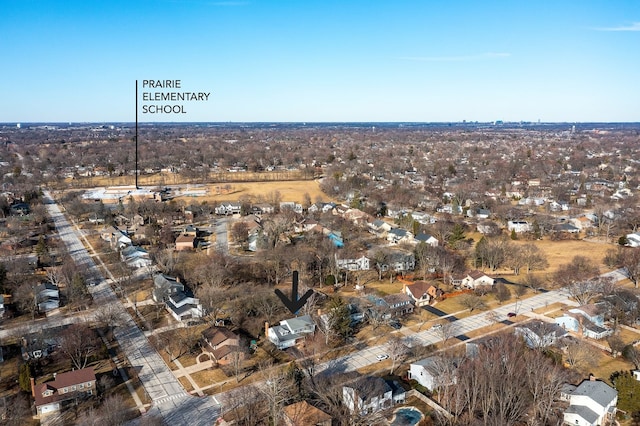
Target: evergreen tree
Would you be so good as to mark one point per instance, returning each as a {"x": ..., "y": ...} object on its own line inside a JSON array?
[
  {"x": 339, "y": 317},
  {"x": 457, "y": 234}
]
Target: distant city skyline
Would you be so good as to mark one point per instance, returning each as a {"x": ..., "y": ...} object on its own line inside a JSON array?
[{"x": 323, "y": 61}]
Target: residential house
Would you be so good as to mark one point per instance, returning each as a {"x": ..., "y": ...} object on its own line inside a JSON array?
[
  {"x": 488, "y": 227},
  {"x": 396, "y": 260},
  {"x": 222, "y": 344},
  {"x": 633, "y": 240},
  {"x": 226, "y": 209},
  {"x": 190, "y": 230},
  {"x": 540, "y": 334},
  {"x": 518, "y": 226},
  {"x": 423, "y": 218},
  {"x": 473, "y": 279},
  {"x": 369, "y": 394},
  {"x": 290, "y": 332},
  {"x": 582, "y": 223},
  {"x": 380, "y": 228},
  {"x": 592, "y": 403},
  {"x": 427, "y": 239},
  {"x": 353, "y": 264},
  {"x": 290, "y": 205},
  {"x": 135, "y": 257},
  {"x": 185, "y": 242},
  {"x": 565, "y": 227},
  {"x": 262, "y": 208},
  {"x": 586, "y": 319},
  {"x": 304, "y": 414},
  {"x": 433, "y": 372},
  {"x": 182, "y": 305},
  {"x": 115, "y": 237},
  {"x": 422, "y": 293},
  {"x": 47, "y": 297},
  {"x": 395, "y": 305},
  {"x": 399, "y": 235},
  {"x": 64, "y": 389},
  {"x": 479, "y": 213},
  {"x": 177, "y": 298}
]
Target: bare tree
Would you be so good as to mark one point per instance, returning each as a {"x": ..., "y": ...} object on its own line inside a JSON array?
[
  {"x": 630, "y": 260},
  {"x": 585, "y": 291},
  {"x": 25, "y": 297},
  {"x": 472, "y": 302},
  {"x": 545, "y": 381},
  {"x": 397, "y": 350},
  {"x": 580, "y": 269},
  {"x": 446, "y": 331},
  {"x": 78, "y": 343},
  {"x": 502, "y": 293},
  {"x": 109, "y": 316},
  {"x": 580, "y": 355},
  {"x": 246, "y": 405},
  {"x": 276, "y": 390}
]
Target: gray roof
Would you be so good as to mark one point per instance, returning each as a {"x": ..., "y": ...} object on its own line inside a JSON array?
[
  {"x": 583, "y": 411},
  {"x": 597, "y": 390},
  {"x": 298, "y": 323}
]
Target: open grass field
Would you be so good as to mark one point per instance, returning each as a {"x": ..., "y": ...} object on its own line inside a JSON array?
[{"x": 294, "y": 190}]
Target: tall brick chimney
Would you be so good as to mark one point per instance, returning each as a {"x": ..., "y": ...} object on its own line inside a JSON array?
[
  {"x": 266, "y": 328},
  {"x": 33, "y": 386}
]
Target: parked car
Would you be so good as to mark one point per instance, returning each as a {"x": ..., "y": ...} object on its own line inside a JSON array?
[
  {"x": 511, "y": 314},
  {"x": 382, "y": 357},
  {"x": 436, "y": 327},
  {"x": 395, "y": 324}
]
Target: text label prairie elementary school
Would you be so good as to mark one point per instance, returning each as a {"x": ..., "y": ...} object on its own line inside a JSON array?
[{"x": 161, "y": 96}]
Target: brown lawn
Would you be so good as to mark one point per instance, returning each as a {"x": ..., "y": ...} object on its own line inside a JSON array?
[{"x": 289, "y": 190}]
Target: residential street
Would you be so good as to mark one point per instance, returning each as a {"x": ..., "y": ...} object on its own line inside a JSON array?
[{"x": 167, "y": 394}]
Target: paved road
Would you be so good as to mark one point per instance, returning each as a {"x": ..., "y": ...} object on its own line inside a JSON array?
[
  {"x": 167, "y": 394},
  {"x": 459, "y": 329}
]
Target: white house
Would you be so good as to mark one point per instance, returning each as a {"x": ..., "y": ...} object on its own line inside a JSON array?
[
  {"x": 518, "y": 226},
  {"x": 633, "y": 240},
  {"x": 368, "y": 394},
  {"x": 227, "y": 209},
  {"x": 379, "y": 227},
  {"x": 426, "y": 238},
  {"x": 135, "y": 257},
  {"x": 178, "y": 300},
  {"x": 360, "y": 264},
  {"x": 433, "y": 372},
  {"x": 290, "y": 331},
  {"x": 399, "y": 235},
  {"x": 474, "y": 279},
  {"x": 540, "y": 334},
  {"x": 592, "y": 403}
]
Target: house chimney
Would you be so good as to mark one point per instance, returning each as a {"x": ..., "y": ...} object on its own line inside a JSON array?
[
  {"x": 33, "y": 386},
  {"x": 266, "y": 328},
  {"x": 592, "y": 378}
]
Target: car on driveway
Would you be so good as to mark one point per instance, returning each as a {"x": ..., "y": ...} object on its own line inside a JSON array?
[
  {"x": 382, "y": 357},
  {"x": 395, "y": 324},
  {"x": 511, "y": 314},
  {"x": 436, "y": 327}
]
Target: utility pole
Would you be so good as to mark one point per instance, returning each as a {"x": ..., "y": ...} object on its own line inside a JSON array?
[{"x": 136, "y": 170}]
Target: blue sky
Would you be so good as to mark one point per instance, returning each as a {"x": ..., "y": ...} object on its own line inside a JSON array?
[{"x": 312, "y": 60}]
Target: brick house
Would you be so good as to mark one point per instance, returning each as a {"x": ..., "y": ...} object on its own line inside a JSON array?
[{"x": 65, "y": 388}]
